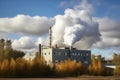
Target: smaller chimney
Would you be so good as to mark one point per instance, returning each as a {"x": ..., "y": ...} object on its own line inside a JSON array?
[
  {"x": 71, "y": 48},
  {"x": 56, "y": 46},
  {"x": 40, "y": 49}
]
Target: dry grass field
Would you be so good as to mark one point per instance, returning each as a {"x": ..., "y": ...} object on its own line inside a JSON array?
[{"x": 69, "y": 78}]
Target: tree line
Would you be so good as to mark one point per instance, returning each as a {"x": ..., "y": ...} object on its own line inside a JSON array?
[
  {"x": 7, "y": 52},
  {"x": 38, "y": 68},
  {"x": 13, "y": 65}
]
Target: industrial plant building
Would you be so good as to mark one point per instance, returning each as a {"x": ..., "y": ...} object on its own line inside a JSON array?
[{"x": 57, "y": 54}]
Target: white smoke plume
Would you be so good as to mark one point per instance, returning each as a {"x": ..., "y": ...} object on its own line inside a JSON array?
[
  {"x": 76, "y": 26},
  {"x": 71, "y": 33}
]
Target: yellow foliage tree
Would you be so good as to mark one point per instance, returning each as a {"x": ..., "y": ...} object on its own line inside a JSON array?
[
  {"x": 69, "y": 67},
  {"x": 5, "y": 65},
  {"x": 12, "y": 64},
  {"x": 96, "y": 67}
]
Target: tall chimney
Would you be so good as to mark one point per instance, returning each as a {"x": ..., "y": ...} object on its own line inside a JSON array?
[
  {"x": 40, "y": 49},
  {"x": 56, "y": 46},
  {"x": 50, "y": 37}
]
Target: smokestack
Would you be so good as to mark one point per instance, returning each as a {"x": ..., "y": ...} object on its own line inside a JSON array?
[
  {"x": 56, "y": 46},
  {"x": 70, "y": 47},
  {"x": 40, "y": 49},
  {"x": 50, "y": 37}
]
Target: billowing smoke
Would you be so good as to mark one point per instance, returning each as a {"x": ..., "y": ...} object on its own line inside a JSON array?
[
  {"x": 71, "y": 33},
  {"x": 76, "y": 26}
]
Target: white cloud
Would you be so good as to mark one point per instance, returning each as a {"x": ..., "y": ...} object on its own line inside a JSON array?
[
  {"x": 24, "y": 24},
  {"x": 84, "y": 5},
  {"x": 23, "y": 43},
  {"x": 110, "y": 31},
  {"x": 27, "y": 44},
  {"x": 40, "y": 41},
  {"x": 70, "y": 3}
]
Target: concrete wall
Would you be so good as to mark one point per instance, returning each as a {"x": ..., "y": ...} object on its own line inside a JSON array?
[{"x": 47, "y": 54}]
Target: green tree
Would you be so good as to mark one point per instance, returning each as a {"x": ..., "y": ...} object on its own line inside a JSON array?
[{"x": 8, "y": 49}]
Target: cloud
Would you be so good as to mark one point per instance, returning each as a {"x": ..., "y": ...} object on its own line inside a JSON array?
[
  {"x": 63, "y": 3},
  {"x": 110, "y": 30},
  {"x": 27, "y": 43},
  {"x": 23, "y": 43},
  {"x": 68, "y": 4},
  {"x": 24, "y": 24},
  {"x": 84, "y": 5},
  {"x": 76, "y": 26},
  {"x": 3, "y": 35},
  {"x": 40, "y": 41}
]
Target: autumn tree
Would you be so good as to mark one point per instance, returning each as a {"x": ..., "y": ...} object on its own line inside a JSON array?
[
  {"x": 100, "y": 65},
  {"x": 12, "y": 64},
  {"x": 117, "y": 70},
  {"x": 2, "y": 44},
  {"x": 116, "y": 58},
  {"x": 4, "y": 68},
  {"x": 69, "y": 68},
  {"x": 96, "y": 67}
]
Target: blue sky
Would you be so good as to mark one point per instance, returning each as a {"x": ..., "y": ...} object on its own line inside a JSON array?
[
  {"x": 104, "y": 10},
  {"x": 10, "y": 8},
  {"x": 50, "y": 8}
]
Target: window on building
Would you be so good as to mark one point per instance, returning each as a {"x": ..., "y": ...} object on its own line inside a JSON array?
[
  {"x": 49, "y": 53},
  {"x": 87, "y": 54},
  {"x": 49, "y": 61},
  {"x": 65, "y": 53},
  {"x": 75, "y": 54},
  {"x": 45, "y": 53},
  {"x": 56, "y": 61},
  {"x": 58, "y": 53},
  {"x": 81, "y": 54},
  {"x": 72, "y": 53},
  {"x": 54, "y": 53},
  {"x": 78, "y": 54},
  {"x": 84, "y": 58},
  {"x": 84, "y": 54}
]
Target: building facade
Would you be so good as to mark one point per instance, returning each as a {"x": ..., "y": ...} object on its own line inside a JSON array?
[{"x": 55, "y": 55}]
